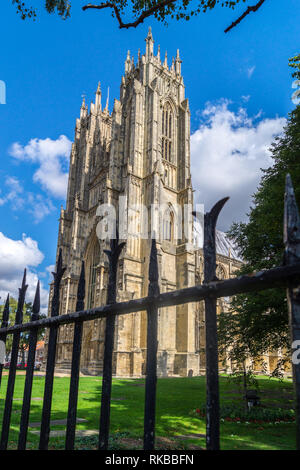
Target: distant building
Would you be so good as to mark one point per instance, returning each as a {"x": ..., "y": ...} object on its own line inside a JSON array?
[{"x": 39, "y": 352}]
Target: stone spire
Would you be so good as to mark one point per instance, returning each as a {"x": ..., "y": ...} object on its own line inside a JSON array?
[
  {"x": 178, "y": 63},
  {"x": 172, "y": 66},
  {"x": 98, "y": 98},
  {"x": 83, "y": 109},
  {"x": 127, "y": 63},
  {"x": 107, "y": 100},
  {"x": 149, "y": 44},
  {"x": 166, "y": 60},
  {"x": 158, "y": 53}
]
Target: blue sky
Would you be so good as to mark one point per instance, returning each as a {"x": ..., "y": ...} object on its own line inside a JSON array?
[{"x": 239, "y": 86}]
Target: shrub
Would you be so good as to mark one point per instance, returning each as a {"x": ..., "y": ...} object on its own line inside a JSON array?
[{"x": 255, "y": 415}]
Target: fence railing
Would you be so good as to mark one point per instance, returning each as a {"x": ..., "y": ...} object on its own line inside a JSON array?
[{"x": 287, "y": 275}]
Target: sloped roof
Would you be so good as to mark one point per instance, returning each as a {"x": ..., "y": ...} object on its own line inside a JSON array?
[{"x": 224, "y": 246}]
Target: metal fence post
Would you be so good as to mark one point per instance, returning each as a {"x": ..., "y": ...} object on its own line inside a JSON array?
[
  {"x": 113, "y": 256},
  {"x": 151, "y": 360},
  {"x": 292, "y": 255},
  {"x": 13, "y": 367},
  {"x": 73, "y": 394},
  {"x": 33, "y": 335},
  {"x": 46, "y": 413},
  {"x": 212, "y": 366},
  {"x": 4, "y": 324}
]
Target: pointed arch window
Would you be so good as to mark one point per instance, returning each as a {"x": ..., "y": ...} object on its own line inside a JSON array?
[
  {"x": 167, "y": 129},
  {"x": 94, "y": 262},
  {"x": 168, "y": 226}
]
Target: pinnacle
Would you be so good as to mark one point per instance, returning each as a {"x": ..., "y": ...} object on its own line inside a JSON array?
[
  {"x": 166, "y": 60},
  {"x": 149, "y": 36}
]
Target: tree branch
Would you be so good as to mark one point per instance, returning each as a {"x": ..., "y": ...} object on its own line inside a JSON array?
[
  {"x": 139, "y": 20},
  {"x": 254, "y": 8},
  {"x": 156, "y": 7}
]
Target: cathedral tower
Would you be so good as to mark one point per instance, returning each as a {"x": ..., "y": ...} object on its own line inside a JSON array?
[{"x": 139, "y": 154}]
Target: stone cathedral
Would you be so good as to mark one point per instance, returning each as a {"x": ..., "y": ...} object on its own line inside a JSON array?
[{"x": 142, "y": 151}]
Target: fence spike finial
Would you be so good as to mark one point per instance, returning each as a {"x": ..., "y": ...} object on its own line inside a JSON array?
[
  {"x": 81, "y": 289},
  {"x": 23, "y": 288},
  {"x": 57, "y": 279},
  {"x": 5, "y": 315},
  {"x": 58, "y": 274},
  {"x": 36, "y": 303},
  {"x": 153, "y": 271},
  {"x": 209, "y": 245},
  {"x": 215, "y": 211},
  {"x": 113, "y": 257},
  {"x": 21, "y": 299},
  {"x": 24, "y": 279}
]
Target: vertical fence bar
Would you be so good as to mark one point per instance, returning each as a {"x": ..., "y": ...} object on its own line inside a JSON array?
[
  {"x": 292, "y": 255},
  {"x": 151, "y": 361},
  {"x": 4, "y": 324},
  {"x": 46, "y": 413},
  {"x": 212, "y": 372},
  {"x": 73, "y": 394},
  {"x": 113, "y": 256},
  {"x": 33, "y": 336},
  {"x": 13, "y": 367}
]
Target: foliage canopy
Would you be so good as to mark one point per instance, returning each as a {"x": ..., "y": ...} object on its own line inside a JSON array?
[
  {"x": 162, "y": 10},
  {"x": 257, "y": 323}
]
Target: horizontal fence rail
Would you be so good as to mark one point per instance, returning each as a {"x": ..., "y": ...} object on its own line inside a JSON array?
[
  {"x": 287, "y": 276},
  {"x": 276, "y": 277}
]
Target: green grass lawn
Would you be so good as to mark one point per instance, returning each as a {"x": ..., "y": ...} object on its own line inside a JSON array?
[{"x": 176, "y": 398}]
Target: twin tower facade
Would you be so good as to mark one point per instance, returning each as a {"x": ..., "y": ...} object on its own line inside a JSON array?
[{"x": 142, "y": 151}]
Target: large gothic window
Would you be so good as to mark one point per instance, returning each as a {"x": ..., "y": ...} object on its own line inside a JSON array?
[
  {"x": 167, "y": 125},
  {"x": 94, "y": 262},
  {"x": 128, "y": 130}
]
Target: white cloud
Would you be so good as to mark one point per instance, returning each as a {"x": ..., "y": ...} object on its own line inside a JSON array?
[
  {"x": 250, "y": 71},
  {"x": 13, "y": 195},
  {"x": 227, "y": 152},
  {"x": 39, "y": 207},
  {"x": 246, "y": 98},
  {"x": 52, "y": 157},
  {"x": 50, "y": 269},
  {"x": 15, "y": 255},
  {"x": 19, "y": 200}
]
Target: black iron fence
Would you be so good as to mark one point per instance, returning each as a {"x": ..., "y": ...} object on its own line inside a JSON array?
[{"x": 287, "y": 275}]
